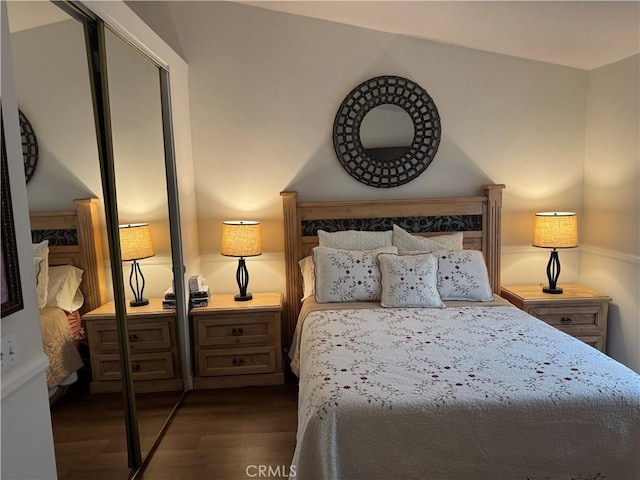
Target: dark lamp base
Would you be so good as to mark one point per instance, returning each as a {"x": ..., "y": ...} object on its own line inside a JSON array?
[
  {"x": 552, "y": 290},
  {"x": 243, "y": 298},
  {"x": 139, "y": 303}
]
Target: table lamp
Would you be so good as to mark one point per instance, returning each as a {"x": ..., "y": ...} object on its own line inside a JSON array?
[
  {"x": 135, "y": 244},
  {"x": 241, "y": 238},
  {"x": 555, "y": 230}
]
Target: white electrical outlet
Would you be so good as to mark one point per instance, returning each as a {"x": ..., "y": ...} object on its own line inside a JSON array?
[{"x": 8, "y": 350}]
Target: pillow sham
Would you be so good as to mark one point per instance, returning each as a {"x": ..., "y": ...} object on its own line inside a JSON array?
[
  {"x": 347, "y": 275},
  {"x": 409, "y": 280},
  {"x": 41, "y": 269},
  {"x": 355, "y": 239},
  {"x": 64, "y": 288},
  {"x": 405, "y": 241},
  {"x": 462, "y": 275},
  {"x": 308, "y": 280}
]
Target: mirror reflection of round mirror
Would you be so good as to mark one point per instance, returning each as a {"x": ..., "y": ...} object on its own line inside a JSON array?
[
  {"x": 386, "y": 132},
  {"x": 29, "y": 146}
]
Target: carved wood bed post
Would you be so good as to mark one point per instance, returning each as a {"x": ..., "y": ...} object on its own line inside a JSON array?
[
  {"x": 292, "y": 256},
  {"x": 91, "y": 259},
  {"x": 491, "y": 243}
]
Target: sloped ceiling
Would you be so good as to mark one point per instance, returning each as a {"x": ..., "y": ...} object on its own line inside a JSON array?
[{"x": 581, "y": 34}]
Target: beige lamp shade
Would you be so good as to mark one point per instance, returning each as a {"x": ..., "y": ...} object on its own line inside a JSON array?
[
  {"x": 555, "y": 230},
  {"x": 135, "y": 241},
  {"x": 241, "y": 238}
]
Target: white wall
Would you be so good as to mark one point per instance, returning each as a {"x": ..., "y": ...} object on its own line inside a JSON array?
[
  {"x": 264, "y": 90},
  {"x": 27, "y": 439},
  {"x": 611, "y": 222}
]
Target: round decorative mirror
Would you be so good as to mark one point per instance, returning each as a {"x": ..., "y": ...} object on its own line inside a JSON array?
[
  {"x": 29, "y": 146},
  {"x": 386, "y": 131}
]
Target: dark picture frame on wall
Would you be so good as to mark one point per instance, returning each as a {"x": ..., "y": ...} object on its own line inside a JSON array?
[{"x": 11, "y": 291}]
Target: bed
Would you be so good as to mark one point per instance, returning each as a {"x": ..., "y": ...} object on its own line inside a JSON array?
[
  {"x": 472, "y": 389},
  {"x": 69, "y": 267}
]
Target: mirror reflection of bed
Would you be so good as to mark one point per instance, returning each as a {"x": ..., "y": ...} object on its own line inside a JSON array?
[{"x": 70, "y": 280}]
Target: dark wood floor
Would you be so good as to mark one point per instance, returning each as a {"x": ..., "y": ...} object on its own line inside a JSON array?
[
  {"x": 227, "y": 434},
  {"x": 215, "y": 434}
]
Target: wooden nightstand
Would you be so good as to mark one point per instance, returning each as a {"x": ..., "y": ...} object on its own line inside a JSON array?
[
  {"x": 578, "y": 311},
  {"x": 152, "y": 342},
  {"x": 238, "y": 344}
]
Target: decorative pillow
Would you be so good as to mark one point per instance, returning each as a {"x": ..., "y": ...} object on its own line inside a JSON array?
[
  {"x": 408, "y": 242},
  {"x": 409, "y": 280},
  {"x": 64, "y": 291},
  {"x": 308, "y": 277},
  {"x": 462, "y": 275},
  {"x": 355, "y": 239},
  {"x": 41, "y": 268},
  {"x": 348, "y": 275}
]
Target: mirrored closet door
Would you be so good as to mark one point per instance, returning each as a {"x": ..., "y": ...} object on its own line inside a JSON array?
[
  {"x": 95, "y": 105},
  {"x": 146, "y": 247}
]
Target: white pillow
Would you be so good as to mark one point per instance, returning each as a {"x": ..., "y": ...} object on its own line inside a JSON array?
[
  {"x": 355, "y": 239},
  {"x": 408, "y": 242},
  {"x": 64, "y": 288},
  {"x": 308, "y": 280},
  {"x": 348, "y": 275},
  {"x": 41, "y": 268},
  {"x": 462, "y": 275},
  {"x": 409, "y": 280}
]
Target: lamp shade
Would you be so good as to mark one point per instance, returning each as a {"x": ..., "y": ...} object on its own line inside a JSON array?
[
  {"x": 241, "y": 238},
  {"x": 555, "y": 230},
  {"x": 135, "y": 241}
]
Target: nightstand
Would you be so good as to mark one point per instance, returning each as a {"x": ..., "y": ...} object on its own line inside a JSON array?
[
  {"x": 578, "y": 311},
  {"x": 152, "y": 342},
  {"x": 238, "y": 344}
]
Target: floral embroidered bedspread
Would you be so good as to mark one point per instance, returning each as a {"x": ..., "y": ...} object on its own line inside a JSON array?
[{"x": 459, "y": 393}]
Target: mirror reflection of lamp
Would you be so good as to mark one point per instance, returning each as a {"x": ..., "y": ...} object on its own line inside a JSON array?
[
  {"x": 135, "y": 244},
  {"x": 241, "y": 238},
  {"x": 555, "y": 230}
]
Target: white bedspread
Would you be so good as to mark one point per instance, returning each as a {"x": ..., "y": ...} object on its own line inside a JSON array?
[{"x": 459, "y": 393}]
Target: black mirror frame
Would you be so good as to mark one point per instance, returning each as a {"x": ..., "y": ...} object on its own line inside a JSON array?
[{"x": 376, "y": 91}]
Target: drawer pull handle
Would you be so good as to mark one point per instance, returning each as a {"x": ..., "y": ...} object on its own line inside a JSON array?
[
  {"x": 236, "y": 332},
  {"x": 237, "y": 361},
  {"x": 133, "y": 337},
  {"x": 565, "y": 320},
  {"x": 135, "y": 366}
]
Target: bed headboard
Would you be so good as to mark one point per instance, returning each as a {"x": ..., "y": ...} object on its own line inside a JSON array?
[
  {"x": 74, "y": 239},
  {"x": 478, "y": 217}
]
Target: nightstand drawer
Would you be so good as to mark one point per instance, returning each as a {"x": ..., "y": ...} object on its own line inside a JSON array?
[
  {"x": 229, "y": 330},
  {"x": 237, "y": 361},
  {"x": 584, "y": 315},
  {"x": 142, "y": 336},
  {"x": 578, "y": 311},
  {"x": 145, "y": 366}
]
